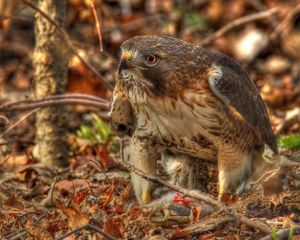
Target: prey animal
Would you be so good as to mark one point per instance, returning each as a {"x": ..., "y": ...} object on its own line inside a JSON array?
[{"x": 198, "y": 104}]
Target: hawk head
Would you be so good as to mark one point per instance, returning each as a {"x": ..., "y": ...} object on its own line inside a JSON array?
[{"x": 158, "y": 65}]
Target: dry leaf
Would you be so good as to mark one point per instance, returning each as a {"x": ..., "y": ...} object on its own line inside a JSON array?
[
  {"x": 103, "y": 154},
  {"x": 76, "y": 217},
  {"x": 15, "y": 161},
  {"x": 80, "y": 196},
  {"x": 180, "y": 234},
  {"x": 71, "y": 186},
  {"x": 37, "y": 231},
  {"x": 107, "y": 197},
  {"x": 114, "y": 227},
  {"x": 15, "y": 202}
]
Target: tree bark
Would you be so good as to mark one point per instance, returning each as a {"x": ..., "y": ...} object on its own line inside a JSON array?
[{"x": 50, "y": 78}]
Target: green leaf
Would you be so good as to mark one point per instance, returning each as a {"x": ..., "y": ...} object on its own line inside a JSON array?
[
  {"x": 291, "y": 233},
  {"x": 195, "y": 21},
  {"x": 291, "y": 142},
  {"x": 85, "y": 132},
  {"x": 274, "y": 234},
  {"x": 102, "y": 129},
  {"x": 98, "y": 133}
]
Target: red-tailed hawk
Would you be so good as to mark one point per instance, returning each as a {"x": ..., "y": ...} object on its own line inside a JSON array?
[{"x": 176, "y": 96}]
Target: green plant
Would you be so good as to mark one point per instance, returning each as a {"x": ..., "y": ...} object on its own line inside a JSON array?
[
  {"x": 276, "y": 237},
  {"x": 99, "y": 132},
  {"x": 291, "y": 233},
  {"x": 291, "y": 142},
  {"x": 191, "y": 18},
  {"x": 274, "y": 234},
  {"x": 196, "y": 21}
]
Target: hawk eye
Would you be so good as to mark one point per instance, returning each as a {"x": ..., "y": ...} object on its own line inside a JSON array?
[{"x": 151, "y": 59}]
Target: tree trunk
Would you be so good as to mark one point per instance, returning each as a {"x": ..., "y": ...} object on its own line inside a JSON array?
[{"x": 50, "y": 78}]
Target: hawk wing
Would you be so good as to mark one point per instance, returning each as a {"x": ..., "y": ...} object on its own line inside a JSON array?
[{"x": 230, "y": 83}]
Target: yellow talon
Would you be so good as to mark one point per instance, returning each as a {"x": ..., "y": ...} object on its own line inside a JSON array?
[
  {"x": 146, "y": 196},
  {"x": 221, "y": 192}
]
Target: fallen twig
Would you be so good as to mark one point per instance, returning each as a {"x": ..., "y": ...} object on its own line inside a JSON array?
[
  {"x": 238, "y": 22},
  {"x": 18, "y": 122},
  {"x": 88, "y": 227},
  {"x": 96, "y": 165},
  {"x": 56, "y": 97},
  {"x": 207, "y": 225},
  {"x": 3, "y": 121},
  {"x": 198, "y": 196},
  {"x": 68, "y": 41},
  {"x": 56, "y": 100},
  {"x": 48, "y": 201},
  {"x": 48, "y": 103}
]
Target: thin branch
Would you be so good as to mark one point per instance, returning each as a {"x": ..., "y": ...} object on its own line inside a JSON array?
[
  {"x": 29, "y": 104},
  {"x": 88, "y": 227},
  {"x": 56, "y": 102},
  {"x": 285, "y": 22},
  {"x": 96, "y": 165},
  {"x": 18, "y": 122},
  {"x": 98, "y": 28},
  {"x": 198, "y": 196},
  {"x": 77, "y": 96},
  {"x": 55, "y": 97},
  {"x": 16, "y": 12},
  {"x": 68, "y": 41},
  {"x": 3, "y": 120},
  {"x": 259, "y": 6},
  {"x": 238, "y": 22}
]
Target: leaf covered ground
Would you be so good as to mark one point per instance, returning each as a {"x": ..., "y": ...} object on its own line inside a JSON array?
[{"x": 39, "y": 202}]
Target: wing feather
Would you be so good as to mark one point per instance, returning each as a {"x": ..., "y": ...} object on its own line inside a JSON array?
[{"x": 230, "y": 82}]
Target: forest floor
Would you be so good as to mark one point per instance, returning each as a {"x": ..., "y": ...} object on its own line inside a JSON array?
[{"x": 40, "y": 202}]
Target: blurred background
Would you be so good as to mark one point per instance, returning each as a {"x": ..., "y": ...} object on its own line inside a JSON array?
[
  {"x": 262, "y": 35},
  {"x": 268, "y": 47}
]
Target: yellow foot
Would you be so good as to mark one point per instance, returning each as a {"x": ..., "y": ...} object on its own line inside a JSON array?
[{"x": 146, "y": 197}]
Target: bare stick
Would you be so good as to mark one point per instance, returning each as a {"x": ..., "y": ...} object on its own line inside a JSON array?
[
  {"x": 56, "y": 102},
  {"x": 96, "y": 165},
  {"x": 18, "y": 122},
  {"x": 68, "y": 41},
  {"x": 285, "y": 22},
  {"x": 238, "y": 22},
  {"x": 3, "y": 120},
  {"x": 88, "y": 227},
  {"x": 55, "y": 97},
  {"x": 98, "y": 28},
  {"x": 258, "y": 5},
  {"x": 198, "y": 196},
  {"x": 77, "y": 96}
]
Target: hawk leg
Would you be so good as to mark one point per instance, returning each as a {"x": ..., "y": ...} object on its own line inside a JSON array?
[
  {"x": 143, "y": 155},
  {"x": 235, "y": 169}
]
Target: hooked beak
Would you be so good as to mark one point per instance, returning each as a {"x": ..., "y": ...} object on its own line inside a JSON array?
[{"x": 125, "y": 61}]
